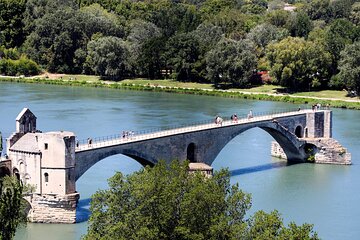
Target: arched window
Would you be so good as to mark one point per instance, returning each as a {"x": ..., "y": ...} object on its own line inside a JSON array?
[
  {"x": 46, "y": 175},
  {"x": 299, "y": 131},
  {"x": 191, "y": 152},
  {"x": 21, "y": 167},
  {"x": 16, "y": 173}
]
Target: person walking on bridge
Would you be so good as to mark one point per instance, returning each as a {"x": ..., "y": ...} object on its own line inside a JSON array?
[
  {"x": 1, "y": 146},
  {"x": 250, "y": 115}
]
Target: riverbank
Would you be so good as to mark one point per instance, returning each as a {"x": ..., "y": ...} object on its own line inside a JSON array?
[{"x": 143, "y": 85}]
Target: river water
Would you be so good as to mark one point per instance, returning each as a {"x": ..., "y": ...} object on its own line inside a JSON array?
[{"x": 325, "y": 195}]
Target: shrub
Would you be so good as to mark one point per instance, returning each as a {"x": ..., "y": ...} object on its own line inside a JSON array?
[{"x": 22, "y": 66}]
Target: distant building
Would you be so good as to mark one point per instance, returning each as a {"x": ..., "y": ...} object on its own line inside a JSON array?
[{"x": 201, "y": 167}]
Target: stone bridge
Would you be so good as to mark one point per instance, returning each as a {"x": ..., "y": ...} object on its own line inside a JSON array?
[
  {"x": 203, "y": 142},
  {"x": 51, "y": 162}
]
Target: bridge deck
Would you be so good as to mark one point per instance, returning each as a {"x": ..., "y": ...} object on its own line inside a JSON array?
[{"x": 136, "y": 137}]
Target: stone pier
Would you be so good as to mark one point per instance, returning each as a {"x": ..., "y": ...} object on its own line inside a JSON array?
[
  {"x": 47, "y": 208},
  {"x": 320, "y": 150}
]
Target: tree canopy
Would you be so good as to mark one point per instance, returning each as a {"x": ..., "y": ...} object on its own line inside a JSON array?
[
  {"x": 11, "y": 210},
  {"x": 349, "y": 67},
  {"x": 298, "y": 64},
  {"x": 232, "y": 62},
  {"x": 108, "y": 56},
  {"x": 168, "y": 202}
]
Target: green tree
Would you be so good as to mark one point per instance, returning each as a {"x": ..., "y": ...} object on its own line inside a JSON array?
[
  {"x": 355, "y": 13},
  {"x": 151, "y": 60},
  {"x": 21, "y": 66},
  {"x": 11, "y": 210},
  {"x": 349, "y": 67},
  {"x": 231, "y": 62},
  {"x": 328, "y": 10},
  {"x": 208, "y": 35},
  {"x": 36, "y": 9},
  {"x": 265, "y": 33},
  {"x": 167, "y": 202},
  {"x": 279, "y": 18},
  {"x": 167, "y": 15},
  {"x": 340, "y": 33},
  {"x": 254, "y": 6},
  {"x": 233, "y": 23},
  {"x": 108, "y": 57},
  {"x": 109, "y": 5},
  {"x": 299, "y": 64},
  {"x": 318, "y": 9},
  {"x": 212, "y": 7},
  {"x": 11, "y": 25},
  {"x": 300, "y": 25},
  {"x": 145, "y": 51},
  {"x": 55, "y": 39},
  {"x": 96, "y": 19},
  {"x": 340, "y": 8},
  {"x": 13, "y": 63},
  {"x": 181, "y": 55},
  {"x": 264, "y": 225}
]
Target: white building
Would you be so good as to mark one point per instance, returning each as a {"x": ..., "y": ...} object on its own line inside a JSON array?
[{"x": 46, "y": 161}]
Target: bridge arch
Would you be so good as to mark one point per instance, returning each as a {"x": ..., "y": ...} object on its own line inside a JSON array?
[
  {"x": 86, "y": 159},
  {"x": 292, "y": 145}
]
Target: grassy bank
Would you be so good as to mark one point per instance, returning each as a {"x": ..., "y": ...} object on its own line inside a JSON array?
[{"x": 261, "y": 93}]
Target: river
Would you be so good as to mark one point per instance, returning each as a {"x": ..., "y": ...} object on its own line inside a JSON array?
[{"x": 325, "y": 195}]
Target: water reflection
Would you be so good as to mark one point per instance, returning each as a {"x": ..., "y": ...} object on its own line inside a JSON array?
[
  {"x": 260, "y": 168},
  {"x": 82, "y": 210}
]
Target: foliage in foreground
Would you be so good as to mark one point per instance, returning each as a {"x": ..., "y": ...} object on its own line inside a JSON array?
[
  {"x": 11, "y": 210},
  {"x": 165, "y": 202}
]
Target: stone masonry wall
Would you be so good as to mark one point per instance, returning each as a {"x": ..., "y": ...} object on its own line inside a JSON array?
[
  {"x": 328, "y": 151},
  {"x": 52, "y": 208},
  {"x": 277, "y": 151}
]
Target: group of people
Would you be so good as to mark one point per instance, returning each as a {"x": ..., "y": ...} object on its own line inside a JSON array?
[
  {"x": 234, "y": 118},
  {"x": 315, "y": 107},
  {"x": 126, "y": 134}
]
